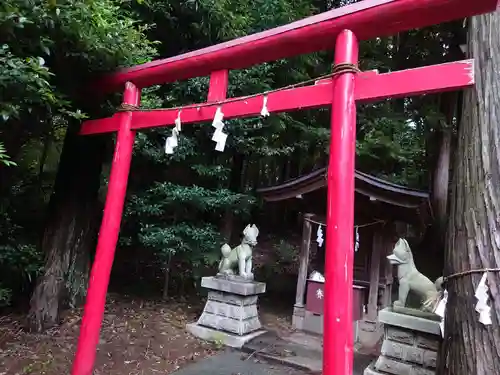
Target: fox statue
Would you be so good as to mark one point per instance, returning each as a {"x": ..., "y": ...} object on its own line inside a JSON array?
[
  {"x": 410, "y": 279},
  {"x": 241, "y": 256}
]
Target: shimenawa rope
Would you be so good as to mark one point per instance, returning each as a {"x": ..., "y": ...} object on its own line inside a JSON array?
[
  {"x": 337, "y": 69},
  {"x": 470, "y": 272}
]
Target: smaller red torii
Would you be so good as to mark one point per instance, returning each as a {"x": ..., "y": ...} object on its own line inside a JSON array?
[{"x": 365, "y": 19}]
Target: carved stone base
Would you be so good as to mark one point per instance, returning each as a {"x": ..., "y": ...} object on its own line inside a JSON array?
[
  {"x": 231, "y": 309},
  {"x": 233, "y": 287},
  {"x": 233, "y": 277},
  {"x": 298, "y": 317},
  {"x": 370, "y": 334},
  {"x": 227, "y": 339},
  {"x": 416, "y": 312},
  {"x": 409, "y": 347}
]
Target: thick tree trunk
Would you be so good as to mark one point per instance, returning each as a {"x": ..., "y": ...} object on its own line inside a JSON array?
[
  {"x": 70, "y": 231},
  {"x": 440, "y": 183},
  {"x": 235, "y": 186},
  {"x": 441, "y": 152},
  {"x": 473, "y": 242},
  {"x": 166, "y": 274},
  {"x": 440, "y": 178}
]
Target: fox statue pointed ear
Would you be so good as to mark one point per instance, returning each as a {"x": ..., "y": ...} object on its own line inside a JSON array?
[
  {"x": 406, "y": 244},
  {"x": 402, "y": 242}
]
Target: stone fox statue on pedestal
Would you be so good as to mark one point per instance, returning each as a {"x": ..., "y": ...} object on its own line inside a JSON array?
[
  {"x": 241, "y": 256},
  {"x": 410, "y": 279}
]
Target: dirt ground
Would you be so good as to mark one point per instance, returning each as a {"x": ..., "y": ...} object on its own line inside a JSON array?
[{"x": 138, "y": 337}]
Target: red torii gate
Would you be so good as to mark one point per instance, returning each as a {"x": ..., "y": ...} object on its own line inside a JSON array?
[{"x": 363, "y": 20}]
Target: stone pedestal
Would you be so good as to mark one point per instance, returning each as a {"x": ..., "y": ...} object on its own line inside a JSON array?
[
  {"x": 230, "y": 315},
  {"x": 409, "y": 347}
]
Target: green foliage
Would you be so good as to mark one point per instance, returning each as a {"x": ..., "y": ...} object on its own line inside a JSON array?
[
  {"x": 180, "y": 217},
  {"x": 4, "y": 158},
  {"x": 50, "y": 51},
  {"x": 20, "y": 262},
  {"x": 173, "y": 202},
  {"x": 390, "y": 146},
  {"x": 286, "y": 252},
  {"x": 203, "y": 184},
  {"x": 176, "y": 220},
  {"x": 199, "y": 245},
  {"x": 24, "y": 83}
]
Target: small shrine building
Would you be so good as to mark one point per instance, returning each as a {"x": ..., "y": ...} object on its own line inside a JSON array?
[{"x": 382, "y": 211}]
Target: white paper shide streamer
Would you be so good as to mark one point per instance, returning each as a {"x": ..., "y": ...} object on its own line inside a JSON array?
[
  {"x": 264, "y": 112},
  {"x": 320, "y": 239},
  {"x": 319, "y": 236},
  {"x": 219, "y": 137},
  {"x": 356, "y": 242},
  {"x": 178, "y": 122},
  {"x": 173, "y": 141},
  {"x": 482, "y": 301},
  {"x": 441, "y": 310}
]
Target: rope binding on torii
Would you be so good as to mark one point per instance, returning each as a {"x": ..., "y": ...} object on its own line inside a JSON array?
[{"x": 337, "y": 70}]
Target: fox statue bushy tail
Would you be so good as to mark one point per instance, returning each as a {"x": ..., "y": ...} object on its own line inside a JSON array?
[
  {"x": 225, "y": 250},
  {"x": 430, "y": 304}
]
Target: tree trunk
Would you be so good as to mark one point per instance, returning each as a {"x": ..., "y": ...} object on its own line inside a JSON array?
[
  {"x": 47, "y": 142},
  {"x": 473, "y": 242},
  {"x": 440, "y": 181},
  {"x": 235, "y": 186},
  {"x": 166, "y": 274},
  {"x": 441, "y": 154},
  {"x": 71, "y": 230}
]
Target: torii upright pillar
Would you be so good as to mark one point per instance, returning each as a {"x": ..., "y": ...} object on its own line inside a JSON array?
[
  {"x": 108, "y": 237},
  {"x": 337, "y": 335}
]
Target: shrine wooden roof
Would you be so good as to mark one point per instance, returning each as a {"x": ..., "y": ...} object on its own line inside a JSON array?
[{"x": 401, "y": 200}]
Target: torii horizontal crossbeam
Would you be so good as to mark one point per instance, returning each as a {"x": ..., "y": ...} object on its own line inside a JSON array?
[
  {"x": 367, "y": 19},
  {"x": 370, "y": 86}
]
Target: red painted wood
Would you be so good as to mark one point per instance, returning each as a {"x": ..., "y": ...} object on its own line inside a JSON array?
[
  {"x": 339, "y": 257},
  {"x": 315, "y": 302},
  {"x": 218, "y": 86},
  {"x": 367, "y": 19},
  {"x": 315, "y": 295},
  {"x": 369, "y": 86},
  {"x": 108, "y": 237}
]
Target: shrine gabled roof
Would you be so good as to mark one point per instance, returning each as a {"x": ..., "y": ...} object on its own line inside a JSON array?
[{"x": 367, "y": 185}]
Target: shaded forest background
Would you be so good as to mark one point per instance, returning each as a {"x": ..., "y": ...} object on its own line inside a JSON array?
[{"x": 179, "y": 208}]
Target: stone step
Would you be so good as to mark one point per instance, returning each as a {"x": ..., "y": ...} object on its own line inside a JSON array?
[
  {"x": 314, "y": 365},
  {"x": 394, "y": 367},
  {"x": 271, "y": 344},
  {"x": 370, "y": 370},
  {"x": 271, "y": 347}
]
